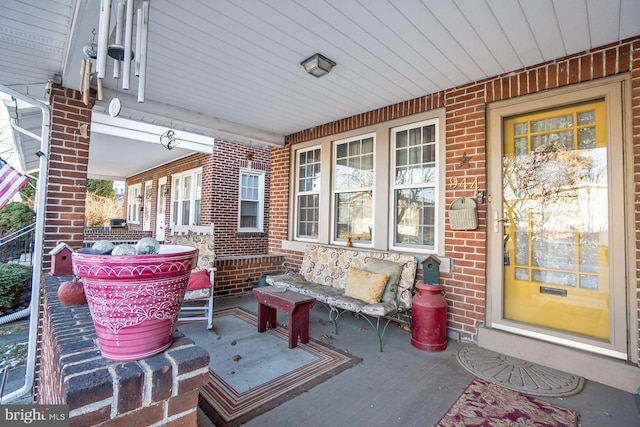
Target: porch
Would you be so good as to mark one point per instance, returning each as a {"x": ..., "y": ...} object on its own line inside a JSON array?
[
  {"x": 396, "y": 95},
  {"x": 409, "y": 387}
]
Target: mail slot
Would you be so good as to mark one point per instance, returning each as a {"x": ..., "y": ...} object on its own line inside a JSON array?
[{"x": 553, "y": 291}]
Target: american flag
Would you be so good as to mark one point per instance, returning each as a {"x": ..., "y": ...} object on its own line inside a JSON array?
[{"x": 11, "y": 181}]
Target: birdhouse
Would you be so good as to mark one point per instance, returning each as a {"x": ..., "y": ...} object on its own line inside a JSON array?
[
  {"x": 431, "y": 270},
  {"x": 61, "y": 260}
]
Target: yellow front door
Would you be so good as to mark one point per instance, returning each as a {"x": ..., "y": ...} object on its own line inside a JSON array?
[
  {"x": 556, "y": 223},
  {"x": 558, "y": 263}
]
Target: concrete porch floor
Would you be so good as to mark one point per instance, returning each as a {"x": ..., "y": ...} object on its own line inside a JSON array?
[{"x": 403, "y": 385}]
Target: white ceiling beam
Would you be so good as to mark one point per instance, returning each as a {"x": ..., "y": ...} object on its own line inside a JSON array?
[
  {"x": 172, "y": 117},
  {"x": 118, "y": 127}
]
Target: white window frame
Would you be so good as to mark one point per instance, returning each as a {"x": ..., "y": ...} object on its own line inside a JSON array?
[
  {"x": 260, "y": 174},
  {"x": 178, "y": 197},
  {"x": 383, "y": 193},
  {"x": 134, "y": 199},
  {"x": 335, "y": 191},
  {"x": 437, "y": 185},
  {"x": 315, "y": 191}
]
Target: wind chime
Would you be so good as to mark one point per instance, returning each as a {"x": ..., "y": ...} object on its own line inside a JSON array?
[{"x": 121, "y": 51}]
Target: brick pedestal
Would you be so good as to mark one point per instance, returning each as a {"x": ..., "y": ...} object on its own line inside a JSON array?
[{"x": 159, "y": 390}]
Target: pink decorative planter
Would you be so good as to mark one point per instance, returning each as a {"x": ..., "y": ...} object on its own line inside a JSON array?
[{"x": 135, "y": 300}]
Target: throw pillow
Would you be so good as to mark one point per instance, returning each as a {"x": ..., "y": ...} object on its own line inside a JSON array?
[
  {"x": 393, "y": 269},
  {"x": 199, "y": 280},
  {"x": 365, "y": 285}
]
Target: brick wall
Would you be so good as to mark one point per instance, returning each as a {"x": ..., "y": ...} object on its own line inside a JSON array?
[
  {"x": 238, "y": 254},
  {"x": 64, "y": 210},
  {"x": 159, "y": 390},
  {"x": 68, "y": 155},
  {"x": 635, "y": 134},
  {"x": 186, "y": 163},
  {"x": 208, "y": 193},
  {"x": 232, "y": 272},
  {"x": 279, "y": 212},
  {"x": 465, "y": 134},
  {"x": 114, "y": 235},
  {"x": 219, "y": 204},
  {"x": 227, "y": 161}
]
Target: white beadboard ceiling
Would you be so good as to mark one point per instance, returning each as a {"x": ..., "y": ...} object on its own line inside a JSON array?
[{"x": 231, "y": 68}]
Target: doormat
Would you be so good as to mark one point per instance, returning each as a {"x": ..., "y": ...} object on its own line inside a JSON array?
[
  {"x": 517, "y": 374},
  {"x": 251, "y": 373},
  {"x": 485, "y": 404}
]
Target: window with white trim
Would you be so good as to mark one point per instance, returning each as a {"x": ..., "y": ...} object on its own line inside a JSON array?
[
  {"x": 353, "y": 189},
  {"x": 251, "y": 203},
  {"x": 134, "y": 200},
  {"x": 414, "y": 185},
  {"x": 307, "y": 194},
  {"x": 383, "y": 187},
  {"x": 186, "y": 195}
]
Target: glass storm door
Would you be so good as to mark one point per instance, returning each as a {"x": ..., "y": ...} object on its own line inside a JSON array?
[{"x": 555, "y": 225}]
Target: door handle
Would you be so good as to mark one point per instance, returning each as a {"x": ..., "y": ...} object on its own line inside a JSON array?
[{"x": 497, "y": 221}]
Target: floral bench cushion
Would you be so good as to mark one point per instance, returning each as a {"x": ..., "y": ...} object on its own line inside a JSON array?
[
  {"x": 331, "y": 296},
  {"x": 203, "y": 242},
  {"x": 329, "y": 266},
  {"x": 323, "y": 275},
  {"x": 206, "y": 256}
]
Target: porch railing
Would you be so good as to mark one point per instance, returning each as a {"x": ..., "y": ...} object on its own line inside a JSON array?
[
  {"x": 89, "y": 243},
  {"x": 17, "y": 246}
]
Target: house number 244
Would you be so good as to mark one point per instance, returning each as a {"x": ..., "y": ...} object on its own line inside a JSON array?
[{"x": 455, "y": 182}]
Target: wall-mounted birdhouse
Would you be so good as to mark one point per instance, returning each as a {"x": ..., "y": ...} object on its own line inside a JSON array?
[
  {"x": 431, "y": 270},
  {"x": 61, "y": 260}
]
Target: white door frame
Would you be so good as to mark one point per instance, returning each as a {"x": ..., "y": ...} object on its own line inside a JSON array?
[
  {"x": 146, "y": 206},
  {"x": 161, "y": 207},
  {"x": 622, "y": 316}
]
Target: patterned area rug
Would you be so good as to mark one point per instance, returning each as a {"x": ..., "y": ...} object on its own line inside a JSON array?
[
  {"x": 517, "y": 374},
  {"x": 251, "y": 373},
  {"x": 485, "y": 404}
]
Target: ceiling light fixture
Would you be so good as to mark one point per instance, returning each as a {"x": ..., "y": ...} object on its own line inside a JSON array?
[{"x": 318, "y": 65}]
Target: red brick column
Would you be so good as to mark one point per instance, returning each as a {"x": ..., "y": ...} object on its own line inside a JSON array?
[
  {"x": 64, "y": 210},
  {"x": 68, "y": 156},
  {"x": 159, "y": 390}
]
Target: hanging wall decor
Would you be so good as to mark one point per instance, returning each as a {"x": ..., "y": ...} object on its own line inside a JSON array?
[
  {"x": 116, "y": 42},
  {"x": 463, "y": 214}
]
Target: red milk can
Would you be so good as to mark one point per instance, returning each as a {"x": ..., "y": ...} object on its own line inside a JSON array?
[{"x": 429, "y": 318}]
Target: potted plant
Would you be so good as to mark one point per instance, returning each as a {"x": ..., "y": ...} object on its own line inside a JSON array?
[{"x": 135, "y": 299}]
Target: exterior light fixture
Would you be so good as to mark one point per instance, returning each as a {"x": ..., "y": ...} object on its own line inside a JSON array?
[
  {"x": 169, "y": 140},
  {"x": 249, "y": 157},
  {"x": 318, "y": 65}
]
